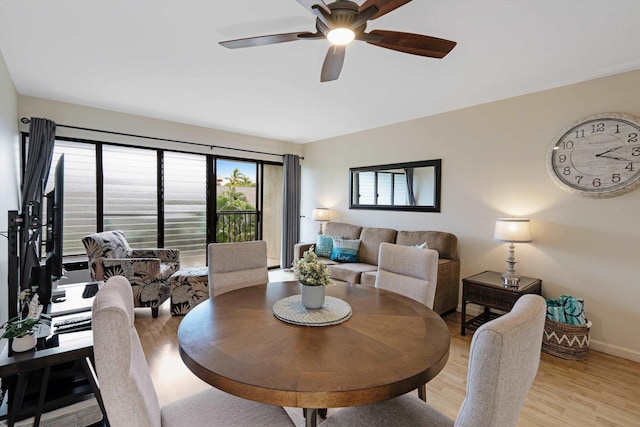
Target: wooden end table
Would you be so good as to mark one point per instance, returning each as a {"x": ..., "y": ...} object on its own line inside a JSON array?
[{"x": 487, "y": 289}]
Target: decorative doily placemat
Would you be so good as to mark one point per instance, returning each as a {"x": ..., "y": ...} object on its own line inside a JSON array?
[{"x": 291, "y": 310}]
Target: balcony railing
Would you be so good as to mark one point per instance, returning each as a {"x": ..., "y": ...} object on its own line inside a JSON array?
[{"x": 237, "y": 226}]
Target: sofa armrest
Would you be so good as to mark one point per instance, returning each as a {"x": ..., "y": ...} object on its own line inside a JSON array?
[
  {"x": 301, "y": 248},
  {"x": 448, "y": 286}
]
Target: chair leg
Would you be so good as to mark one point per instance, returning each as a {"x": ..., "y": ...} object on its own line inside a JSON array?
[
  {"x": 154, "y": 312},
  {"x": 422, "y": 392}
]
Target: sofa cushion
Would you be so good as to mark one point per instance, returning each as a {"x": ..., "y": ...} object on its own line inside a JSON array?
[
  {"x": 350, "y": 272},
  {"x": 371, "y": 239},
  {"x": 347, "y": 231},
  {"x": 445, "y": 243},
  {"x": 324, "y": 246},
  {"x": 345, "y": 250}
]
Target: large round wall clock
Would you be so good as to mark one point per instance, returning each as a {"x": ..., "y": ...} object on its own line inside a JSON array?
[{"x": 598, "y": 156}]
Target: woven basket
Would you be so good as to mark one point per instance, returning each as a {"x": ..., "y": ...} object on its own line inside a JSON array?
[{"x": 566, "y": 341}]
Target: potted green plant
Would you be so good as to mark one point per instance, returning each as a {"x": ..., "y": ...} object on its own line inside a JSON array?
[
  {"x": 22, "y": 331},
  {"x": 313, "y": 277}
]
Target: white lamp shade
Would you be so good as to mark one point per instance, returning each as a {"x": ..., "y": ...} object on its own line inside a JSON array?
[
  {"x": 516, "y": 230},
  {"x": 320, "y": 214}
]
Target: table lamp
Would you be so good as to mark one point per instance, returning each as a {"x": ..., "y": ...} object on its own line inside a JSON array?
[
  {"x": 512, "y": 230},
  {"x": 320, "y": 214}
]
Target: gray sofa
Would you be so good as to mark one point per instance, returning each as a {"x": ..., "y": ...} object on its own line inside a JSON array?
[{"x": 364, "y": 271}]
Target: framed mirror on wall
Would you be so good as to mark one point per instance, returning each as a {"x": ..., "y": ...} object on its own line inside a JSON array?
[{"x": 411, "y": 186}]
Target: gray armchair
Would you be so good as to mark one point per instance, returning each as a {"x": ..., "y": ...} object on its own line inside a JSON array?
[{"x": 148, "y": 270}]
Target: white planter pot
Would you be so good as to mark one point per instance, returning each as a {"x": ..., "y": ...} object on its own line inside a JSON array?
[
  {"x": 312, "y": 296},
  {"x": 24, "y": 343}
]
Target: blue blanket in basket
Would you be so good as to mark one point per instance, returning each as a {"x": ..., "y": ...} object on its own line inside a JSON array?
[{"x": 566, "y": 309}]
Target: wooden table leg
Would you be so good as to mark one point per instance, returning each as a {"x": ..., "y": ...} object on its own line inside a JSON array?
[
  {"x": 18, "y": 397},
  {"x": 41, "y": 398},
  {"x": 422, "y": 392},
  {"x": 463, "y": 319}
]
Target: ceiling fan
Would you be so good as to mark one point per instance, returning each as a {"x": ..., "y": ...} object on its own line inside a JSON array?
[{"x": 343, "y": 21}]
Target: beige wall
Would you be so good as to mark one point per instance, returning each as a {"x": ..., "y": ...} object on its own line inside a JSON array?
[
  {"x": 80, "y": 116},
  {"x": 493, "y": 165},
  {"x": 8, "y": 170}
]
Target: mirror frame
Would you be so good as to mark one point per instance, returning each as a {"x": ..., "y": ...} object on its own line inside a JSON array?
[{"x": 436, "y": 164}]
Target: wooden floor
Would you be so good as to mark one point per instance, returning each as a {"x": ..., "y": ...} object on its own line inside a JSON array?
[{"x": 602, "y": 391}]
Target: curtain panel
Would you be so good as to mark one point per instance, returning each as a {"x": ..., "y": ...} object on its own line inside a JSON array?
[
  {"x": 42, "y": 137},
  {"x": 291, "y": 208}
]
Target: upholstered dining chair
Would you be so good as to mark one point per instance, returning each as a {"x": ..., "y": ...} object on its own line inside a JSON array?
[
  {"x": 125, "y": 383},
  {"x": 503, "y": 362},
  {"x": 408, "y": 271},
  {"x": 411, "y": 272},
  {"x": 236, "y": 265},
  {"x": 148, "y": 270}
]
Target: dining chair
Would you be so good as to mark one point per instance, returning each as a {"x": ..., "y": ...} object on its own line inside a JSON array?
[
  {"x": 408, "y": 271},
  {"x": 503, "y": 362},
  {"x": 237, "y": 265},
  {"x": 125, "y": 383},
  {"x": 411, "y": 272}
]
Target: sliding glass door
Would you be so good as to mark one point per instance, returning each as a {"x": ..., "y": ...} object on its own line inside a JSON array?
[{"x": 249, "y": 204}]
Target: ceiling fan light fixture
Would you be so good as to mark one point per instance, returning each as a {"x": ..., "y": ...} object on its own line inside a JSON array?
[{"x": 340, "y": 36}]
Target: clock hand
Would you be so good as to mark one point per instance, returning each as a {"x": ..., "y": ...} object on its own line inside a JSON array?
[
  {"x": 608, "y": 151},
  {"x": 614, "y": 158}
]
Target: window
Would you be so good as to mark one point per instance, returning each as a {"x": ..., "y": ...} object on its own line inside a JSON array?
[
  {"x": 160, "y": 198},
  {"x": 130, "y": 193},
  {"x": 185, "y": 206},
  {"x": 79, "y": 192}
]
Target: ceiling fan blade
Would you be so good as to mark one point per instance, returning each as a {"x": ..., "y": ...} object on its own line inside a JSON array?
[
  {"x": 320, "y": 9},
  {"x": 384, "y": 6},
  {"x": 363, "y": 16},
  {"x": 311, "y": 36},
  {"x": 309, "y": 4},
  {"x": 332, "y": 63},
  {"x": 263, "y": 40},
  {"x": 415, "y": 44},
  {"x": 369, "y": 38}
]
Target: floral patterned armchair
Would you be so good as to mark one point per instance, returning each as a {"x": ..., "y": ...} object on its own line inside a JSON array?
[{"x": 148, "y": 270}]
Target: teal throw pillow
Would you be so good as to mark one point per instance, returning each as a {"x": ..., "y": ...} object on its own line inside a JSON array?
[
  {"x": 324, "y": 246},
  {"x": 345, "y": 250}
]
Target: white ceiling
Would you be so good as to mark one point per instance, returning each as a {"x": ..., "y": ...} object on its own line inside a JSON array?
[{"x": 161, "y": 59}]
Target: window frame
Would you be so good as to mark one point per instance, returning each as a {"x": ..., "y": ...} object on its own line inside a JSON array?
[{"x": 78, "y": 261}]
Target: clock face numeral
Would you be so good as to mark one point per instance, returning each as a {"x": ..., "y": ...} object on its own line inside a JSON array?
[{"x": 597, "y": 157}]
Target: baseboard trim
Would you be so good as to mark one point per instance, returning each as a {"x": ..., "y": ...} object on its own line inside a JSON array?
[
  {"x": 614, "y": 350},
  {"x": 595, "y": 345}
]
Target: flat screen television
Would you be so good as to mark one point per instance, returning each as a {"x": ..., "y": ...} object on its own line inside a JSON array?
[{"x": 54, "y": 241}]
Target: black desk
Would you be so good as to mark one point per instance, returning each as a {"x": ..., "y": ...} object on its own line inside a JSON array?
[{"x": 67, "y": 356}]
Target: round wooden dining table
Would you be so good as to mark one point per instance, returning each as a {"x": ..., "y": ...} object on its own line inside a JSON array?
[{"x": 389, "y": 346}]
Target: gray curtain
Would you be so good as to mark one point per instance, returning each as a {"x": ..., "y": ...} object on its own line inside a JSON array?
[
  {"x": 412, "y": 198},
  {"x": 291, "y": 208},
  {"x": 42, "y": 136}
]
